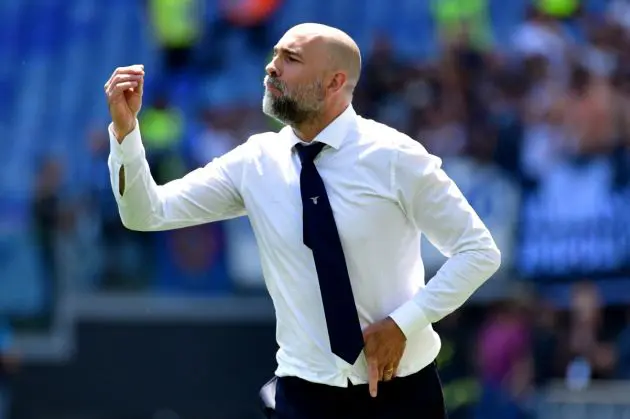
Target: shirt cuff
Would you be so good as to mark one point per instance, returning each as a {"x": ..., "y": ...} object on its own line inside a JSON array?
[
  {"x": 410, "y": 318},
  {"x": 130, "y": 148}
]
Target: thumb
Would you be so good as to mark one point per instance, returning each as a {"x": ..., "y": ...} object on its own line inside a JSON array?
[{"x": 134, "y": 99}]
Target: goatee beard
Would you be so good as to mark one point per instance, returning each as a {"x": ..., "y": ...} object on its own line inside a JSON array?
[{"x": 285, "y": 109}]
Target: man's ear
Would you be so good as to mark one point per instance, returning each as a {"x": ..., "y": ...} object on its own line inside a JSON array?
[{"x": 337, "y": 82}]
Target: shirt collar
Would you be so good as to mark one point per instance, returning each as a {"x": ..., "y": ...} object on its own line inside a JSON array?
[{"x": 334, "y": 134}]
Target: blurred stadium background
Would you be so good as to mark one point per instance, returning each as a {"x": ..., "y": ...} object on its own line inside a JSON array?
[{"x": 526, "y": 102}]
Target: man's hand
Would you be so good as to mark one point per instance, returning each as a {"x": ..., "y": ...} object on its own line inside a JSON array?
[
  {"x": 124, "y": 98},
  {"x": 384, "y": 347}
]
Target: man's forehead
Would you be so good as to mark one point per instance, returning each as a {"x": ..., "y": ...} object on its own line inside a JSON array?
[{"x": 299, "y": 42}]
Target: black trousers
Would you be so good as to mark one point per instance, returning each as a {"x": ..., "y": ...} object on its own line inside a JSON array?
[{"x": 416, "y": 396}]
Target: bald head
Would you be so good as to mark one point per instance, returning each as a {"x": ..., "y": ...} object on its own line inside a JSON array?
[
  {"x": 311, "y": 76},
  {"x": 342, "y": 52}
]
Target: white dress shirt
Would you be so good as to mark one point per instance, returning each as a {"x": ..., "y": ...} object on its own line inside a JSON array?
[{"x": 385, "y": 191}]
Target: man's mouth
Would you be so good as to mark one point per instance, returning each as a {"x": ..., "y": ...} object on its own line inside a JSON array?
[{"x": 273, "y": 87}]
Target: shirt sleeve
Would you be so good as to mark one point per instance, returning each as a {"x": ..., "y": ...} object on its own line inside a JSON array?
[
  {"x": 438, "y": 209},
  {"x": 207, "y": 194}
]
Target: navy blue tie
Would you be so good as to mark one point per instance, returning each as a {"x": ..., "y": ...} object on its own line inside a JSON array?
[{"x": 321, "y": 236}]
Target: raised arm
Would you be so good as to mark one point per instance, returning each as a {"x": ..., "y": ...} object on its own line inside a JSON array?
[{"x": 207, "y": 194}]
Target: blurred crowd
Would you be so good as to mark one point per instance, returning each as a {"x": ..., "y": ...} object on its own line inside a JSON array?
[{"x": 535, "y": 129}]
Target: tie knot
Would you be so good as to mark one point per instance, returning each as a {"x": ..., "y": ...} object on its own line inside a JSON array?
[{"x": 308, "y": 153}]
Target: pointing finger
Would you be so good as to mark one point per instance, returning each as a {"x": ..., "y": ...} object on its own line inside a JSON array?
[{"x": 373, "y": 375}]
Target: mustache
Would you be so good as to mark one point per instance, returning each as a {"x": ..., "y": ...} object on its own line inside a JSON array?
[{"x": 275, "y": 83}]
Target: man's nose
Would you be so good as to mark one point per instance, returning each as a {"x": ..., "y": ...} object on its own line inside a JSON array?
[{"x": 271, "y": 70}]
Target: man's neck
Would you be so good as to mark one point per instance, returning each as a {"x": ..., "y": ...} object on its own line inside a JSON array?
[{"x": 308, "y": 130}]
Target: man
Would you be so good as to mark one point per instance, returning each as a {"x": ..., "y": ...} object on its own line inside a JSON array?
[{"x": 337, "y": 204}]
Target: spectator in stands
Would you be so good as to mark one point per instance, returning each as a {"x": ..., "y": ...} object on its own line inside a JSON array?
[
  {"x": 543, "y": 87},
  {"x": 456, "y": 365},
  {"x": 9, "y": 362},
  {"x": 619, "y": 12},
  {"x": 505, "y": 114},
  {"x": 125, "y": 256},
  {"x": 253, "y": 18},
  {"x": 541, "y": 34},
  {"x": 47, "y": 212},
  {"x": 492, "y": 193},
  {"x": 177, "y": 26},
  {"x": 544, "y": 136},
  {"x": 381, "y": 77},
  {"x": 441, "y": 132},
  {"x": 441, "y": 128},
  {"x": 545, "y": 343},
  {"x": 471, "y": 16},
  {"x": 504, "y": 362},
  {"x": 588, "y": 111},
  {"x": 163, "y": 131},
  {"x": 215, "y": 138},
  {"x": 589, "y": 352},
  {"x": 623, "y": 351}
]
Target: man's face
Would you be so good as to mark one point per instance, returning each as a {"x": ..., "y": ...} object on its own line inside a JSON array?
[{"x": 294, "y": 86}]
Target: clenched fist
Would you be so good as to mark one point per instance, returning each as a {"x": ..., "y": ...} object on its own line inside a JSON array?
[{"x": 124, "y": 98}]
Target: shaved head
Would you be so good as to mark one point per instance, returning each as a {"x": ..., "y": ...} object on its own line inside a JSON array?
[
  {"x": 343, "y": 53},
  {"x": 313, "y": 73}
]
